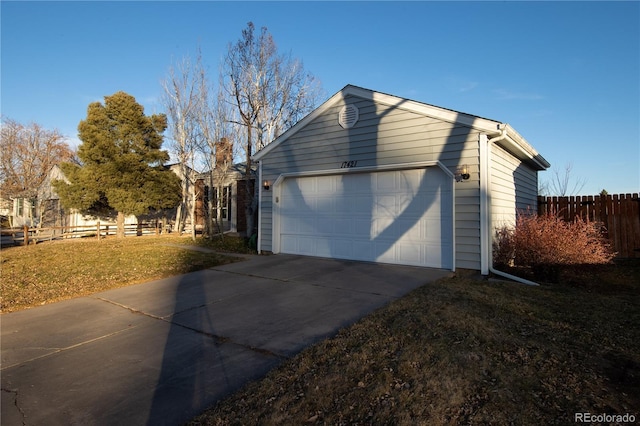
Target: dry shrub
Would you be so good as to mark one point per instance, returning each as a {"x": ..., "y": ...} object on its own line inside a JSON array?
[
  {"x": 503, "y": 247},
  {"x": 547, "y": 240}
]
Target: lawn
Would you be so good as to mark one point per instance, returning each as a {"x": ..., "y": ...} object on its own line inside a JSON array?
[
  {"x": 57, "y": 270},
  {"x": 458, "y": 351},
  {"x": 466, "y": 351}
]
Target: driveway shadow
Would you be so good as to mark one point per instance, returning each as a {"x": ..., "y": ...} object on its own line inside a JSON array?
[{"x": 199, "y": 366}]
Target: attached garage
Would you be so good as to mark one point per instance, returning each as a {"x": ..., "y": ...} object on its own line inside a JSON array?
[
  {"x": 373, "y": 177},
  {"x": 393, "y": 216}
]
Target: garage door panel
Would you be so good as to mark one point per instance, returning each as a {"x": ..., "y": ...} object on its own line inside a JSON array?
[
  {"x": 402, "y": 217},
  {"x": 326, "y": 226},
  {"x": 387, "y": 254},
  {"x": 385, "y": 182},
  {"x": 342, "y": 248},
  {"x": 326, "y": 184},
  {"x": 362, "y": 250},
  {"x": 385, "y": 205},
  {"x": 343, "y": 226},
  {"x": 410, "y": 180},
  {"x": 325, "y": 204},
  {"x": 412, "y": 253},
  {"x": 358, "y": 203}
]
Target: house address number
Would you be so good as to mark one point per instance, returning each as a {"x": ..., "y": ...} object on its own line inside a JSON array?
[{"x": 349, "y": 164}]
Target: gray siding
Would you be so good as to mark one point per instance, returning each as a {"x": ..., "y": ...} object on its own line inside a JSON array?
[
  {"x": 514, "y": 187},
  {"x": 383, "y": 135}
]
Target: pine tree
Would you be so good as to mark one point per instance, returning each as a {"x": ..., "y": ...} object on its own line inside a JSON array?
[{"x": 122, "y": 162}]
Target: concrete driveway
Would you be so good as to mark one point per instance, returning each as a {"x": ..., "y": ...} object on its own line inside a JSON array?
[{"x": 162, "y": 352}]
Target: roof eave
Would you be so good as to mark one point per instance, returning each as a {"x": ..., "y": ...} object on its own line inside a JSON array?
[
  {"x": 523, "y": 150},
  {"x": 517, "y": 144}
]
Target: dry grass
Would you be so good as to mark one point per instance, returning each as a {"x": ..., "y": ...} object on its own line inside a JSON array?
[
  {"x": 227, "y": 244},
  {"x": 462, "y": 351},
  {"x": 458, "y": 351},
  {"x": 58, "y": 270}
]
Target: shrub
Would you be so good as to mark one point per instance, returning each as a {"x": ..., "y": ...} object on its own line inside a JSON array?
[
  {"x": 543, "y": 242},
  {"x": 503, "y": 247}
]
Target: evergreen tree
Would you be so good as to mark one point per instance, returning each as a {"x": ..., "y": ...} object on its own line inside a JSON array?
[{"x": 122, "y": 162}]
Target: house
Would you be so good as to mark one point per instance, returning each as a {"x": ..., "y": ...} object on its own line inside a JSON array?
[
  {"x": 228, "y": 190},
  {"x": 374, "y": 177},
  {"x": 48, "y": 211},
  {"x": 220, "y": 194},
  {"x": 45, "y": 209}
]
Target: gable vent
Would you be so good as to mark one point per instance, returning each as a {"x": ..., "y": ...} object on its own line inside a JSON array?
[{"x": 348, "y": 116}]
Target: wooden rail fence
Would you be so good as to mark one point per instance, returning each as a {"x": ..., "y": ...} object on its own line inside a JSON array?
[
  {"x": 26, "y": 235},
  {"x": 620, "y": 215}
]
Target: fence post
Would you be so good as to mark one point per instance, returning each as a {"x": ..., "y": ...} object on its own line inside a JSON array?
[
  {"x": 25, "y": 230},
  {"x": 98, "y": 229}
]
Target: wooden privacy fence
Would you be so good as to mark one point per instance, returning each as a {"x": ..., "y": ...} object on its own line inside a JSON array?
[{"x": 620, "y": 215}]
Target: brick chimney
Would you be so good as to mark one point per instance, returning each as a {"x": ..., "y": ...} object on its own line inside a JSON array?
[{"x": 224, "y": 153}]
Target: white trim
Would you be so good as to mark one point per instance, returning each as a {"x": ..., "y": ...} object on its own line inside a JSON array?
[
  {"x": 259, "y": 242},
  {"x": 485, "y": 235},
  {"x": 524, "y": 149},
  {"x": 433, "y": 111},
  {"x": 369, "y": 169},
  {"x": 515, "y": 141},
  {"x": 299, "y": 125},
  {"x": 277, "y": 193},
  {"x": 479, "y": 123},
  {"x": 453, "y": 219}
]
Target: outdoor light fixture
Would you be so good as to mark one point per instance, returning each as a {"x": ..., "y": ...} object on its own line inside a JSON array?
[
  {"x": 266, "y": 185},
  {"x": 462, "y": 173}
]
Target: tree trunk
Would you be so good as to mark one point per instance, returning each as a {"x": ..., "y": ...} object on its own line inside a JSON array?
[
  {"x": 120, "y": 225},
  {"x": 252, "y": 221},
  {"x": 194, "y": 198}
]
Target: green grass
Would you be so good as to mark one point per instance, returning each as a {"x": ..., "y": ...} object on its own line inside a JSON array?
[
  {"x": 58, "y": 270},
  {"x": 465, "y": 351}
]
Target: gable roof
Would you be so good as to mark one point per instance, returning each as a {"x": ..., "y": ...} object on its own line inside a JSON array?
[{"x": 512, "y": 140}]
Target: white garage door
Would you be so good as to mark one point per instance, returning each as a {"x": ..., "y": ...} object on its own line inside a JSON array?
[{"x": 401, "y": 216}]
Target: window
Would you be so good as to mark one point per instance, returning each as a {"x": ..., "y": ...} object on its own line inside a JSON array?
[
  {"x": 18, "y": 207},
  {"x": 223, "y": 205}
]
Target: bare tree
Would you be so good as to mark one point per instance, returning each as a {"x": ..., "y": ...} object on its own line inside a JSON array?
[
  {"x": 563, "y": 183},
  {"x": 183, "y": 103},
  {"x": 217, "y": 150},
  {"x": 28, "y": 153},
  {"x": 269, "y": 92}
]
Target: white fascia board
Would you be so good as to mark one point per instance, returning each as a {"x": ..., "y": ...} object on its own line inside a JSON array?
[
  {"x": 482, "y": 124},
  {"x": 451, "y": 116},
  {"x": 524, "y": 149}
]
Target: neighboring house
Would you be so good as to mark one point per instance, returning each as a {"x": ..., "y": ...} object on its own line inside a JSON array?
[
  {"x": 18, "y": 211},
  {"x": 375, "y": 177},
  {"x": 50, "y": 213},
  {"x": 227, "y": 190},
  {"x": 46, "y": 211},
  {"x": 6, "y": 207}
]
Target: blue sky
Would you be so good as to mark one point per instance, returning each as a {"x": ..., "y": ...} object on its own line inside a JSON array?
[{"x": 565, "y": 75}]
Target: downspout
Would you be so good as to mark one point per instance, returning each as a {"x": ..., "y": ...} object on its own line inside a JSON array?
[
  {"x": 485, "y": 207},
  {"x": 259, "y": 183}
]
